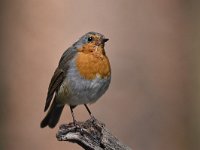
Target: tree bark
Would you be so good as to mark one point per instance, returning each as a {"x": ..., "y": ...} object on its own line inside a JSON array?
[{"x": 91, "y": 135}]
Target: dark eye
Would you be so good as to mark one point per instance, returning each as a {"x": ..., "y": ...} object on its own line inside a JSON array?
[{"x": 90, "y": 39}]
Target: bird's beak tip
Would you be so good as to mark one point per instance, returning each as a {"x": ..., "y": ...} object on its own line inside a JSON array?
[{"x": 105, "y": 40}]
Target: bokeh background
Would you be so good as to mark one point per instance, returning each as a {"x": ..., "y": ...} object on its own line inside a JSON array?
[{"x": 153, "y": 100}]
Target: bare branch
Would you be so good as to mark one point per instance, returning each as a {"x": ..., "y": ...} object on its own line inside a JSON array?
[{"x": 91, "y": 135}]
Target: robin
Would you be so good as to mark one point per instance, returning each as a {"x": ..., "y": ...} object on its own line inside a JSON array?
[{"x": 83, "y": 75}]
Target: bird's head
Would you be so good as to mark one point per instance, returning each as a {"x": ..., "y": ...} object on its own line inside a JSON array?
[{"x": 91, "y": 42}]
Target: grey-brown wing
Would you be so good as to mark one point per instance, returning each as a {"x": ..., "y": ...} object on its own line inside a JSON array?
[
  {"x": 56, "y": 81},
  {"x": 59, "y": 75}
]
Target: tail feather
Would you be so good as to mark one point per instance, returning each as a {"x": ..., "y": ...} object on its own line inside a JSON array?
[{"x": 53, "y": 115}]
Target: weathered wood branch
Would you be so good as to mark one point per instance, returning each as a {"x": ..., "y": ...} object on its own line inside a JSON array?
[{"x": 91, "y": 135}]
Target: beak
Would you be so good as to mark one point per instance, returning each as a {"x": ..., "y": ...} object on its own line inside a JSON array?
[{"x": 105, "y": 40}]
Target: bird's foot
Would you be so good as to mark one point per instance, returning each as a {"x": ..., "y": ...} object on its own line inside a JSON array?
[
  {"x": 93, "y": 119},
  {"x": 77, "y": 126}
]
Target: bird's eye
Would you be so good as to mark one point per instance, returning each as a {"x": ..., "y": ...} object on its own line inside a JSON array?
[{"x": 90, "y": 39}]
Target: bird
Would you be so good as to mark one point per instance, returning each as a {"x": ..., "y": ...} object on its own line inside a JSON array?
[{"x": 83, "y": 75}]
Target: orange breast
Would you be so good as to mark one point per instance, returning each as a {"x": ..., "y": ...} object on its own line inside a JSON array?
[{"x": 90, "y": 65}]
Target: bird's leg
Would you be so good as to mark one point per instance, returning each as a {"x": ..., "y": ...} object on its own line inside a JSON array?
[
  {"x": 74, "y": 121},
  {"x": 72, "y": 112},
  {"x": 89, "y": 112}
]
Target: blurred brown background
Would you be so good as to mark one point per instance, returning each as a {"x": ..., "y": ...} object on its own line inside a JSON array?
[{"x": 153, "y": 101}]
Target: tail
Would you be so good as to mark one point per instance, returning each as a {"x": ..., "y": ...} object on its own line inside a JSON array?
[{"x": 52, "y": 116}]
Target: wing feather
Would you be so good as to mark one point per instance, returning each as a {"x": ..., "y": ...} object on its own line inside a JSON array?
[
  {"x": 59, "y": 75},
  {"x": 56, "y": 81}
]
